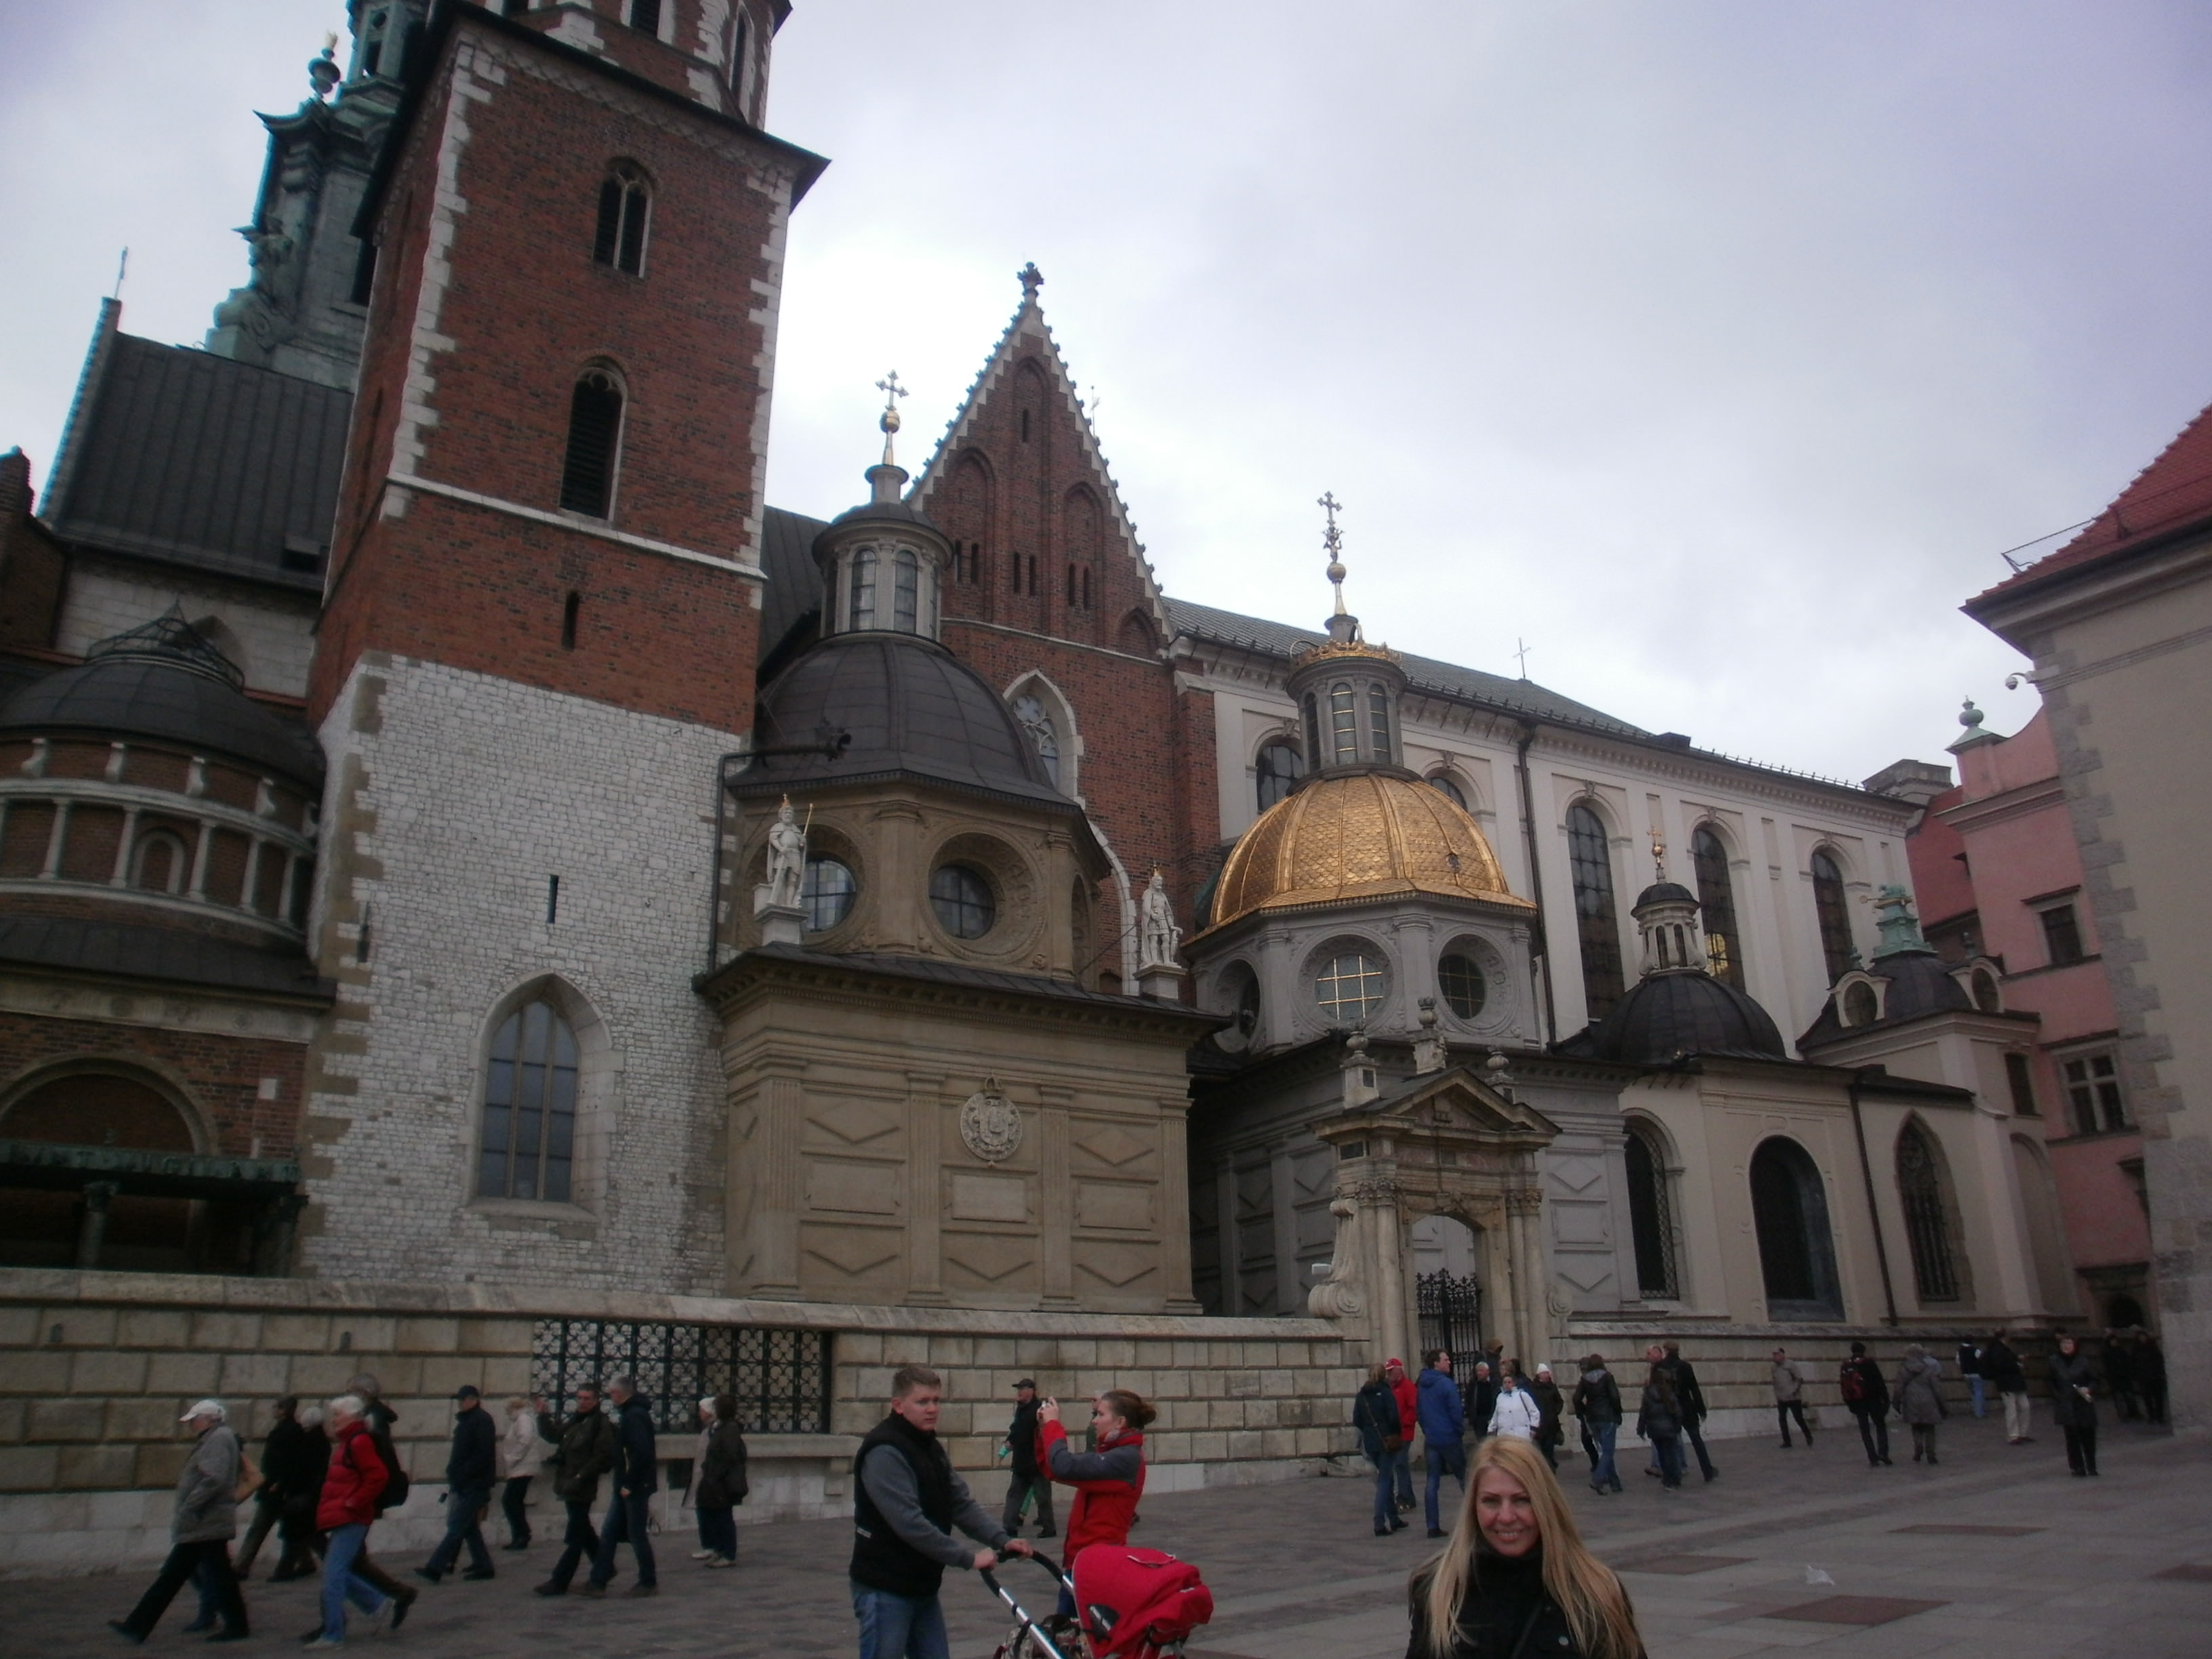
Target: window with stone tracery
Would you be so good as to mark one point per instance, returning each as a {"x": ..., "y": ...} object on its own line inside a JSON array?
[
  {"x": 1278, "y": 767},
  {"x": 1037, "y": 724},
  {"x": 625, "y": 206},
  {"x": 1598, "y": 924},
  {"x": 1833, "y": 912},
  {"x": 1716, "y": 906},
  {"x": 526, "y": 1148}
]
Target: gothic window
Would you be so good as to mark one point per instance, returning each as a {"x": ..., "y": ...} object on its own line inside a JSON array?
[
  {"x": 1279, "y": 766},
  {"x": 526, "y": 1149},
  {"x": 1716, "y": 906},
  {"x": 644, "y": 14},
  {"x": 1379, "y": 722},
  {"x": 160, "y": 863},
  {"x": 826, "y": 894},
  {"x": 1029, "y": 711},
  {"x": 1444, "y": 785},
  {"x": 595, "y": 420},
  {"x": 906, "y": 594},
  {"x": 962, "y": 899},
  {"x": 2092, "y": 1091},
  {"x": 2062, "y": 935},
  {"x": 861, "y": 607},
  {"x": 1650, "y": 1217},
  {"x": 1349, "y": 988},
  {"x": 1459, "y": 978},
  {"x": 1590, "y": 861},
  {"x": 625, "y": 204},
  {"x": 1828, "y": 904},
  {"x": 1789, "y": 1214},
  {"x": 1920, "y": 1187},
  {"x": 1344, "y": 723}
]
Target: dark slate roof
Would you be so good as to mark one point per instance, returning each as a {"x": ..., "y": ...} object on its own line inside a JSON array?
[
  {"x": 1667, "y": 1017},
  {"x": 1920, "y": 984},
  {"x": 133, "y": 951},
  {"x": 1424, "y": 673},
  {"x": 164, "y": 695},
  {"x": 197, "y": 459},
  {"x": 793, "y": 594},
  {"x": 913, "y": 710},
  {"x": 1665, "y": 892}
]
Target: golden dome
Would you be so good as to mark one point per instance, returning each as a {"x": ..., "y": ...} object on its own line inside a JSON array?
[{"x": 1364, "y": 835}]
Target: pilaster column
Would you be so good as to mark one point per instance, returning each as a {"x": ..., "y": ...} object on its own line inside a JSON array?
[
  {"x": 776, "y": 1177},
  {"x": 201, "y": 851},
  {"x": 1378, "y": 1200},
  {"x": 1056, "y": 1197},
  {"x": 55, "y": 838},
  {"x": 1060, "y": 914},
  {"x": 1175, "y": 1204},
  {"x": 1522, "y": 1210},
  {"x": 120, "y": 877},
  {"x": 925, "y": 1186},
  {"x": 901, "y": 886},
  {"x": 252, "y": 878}
]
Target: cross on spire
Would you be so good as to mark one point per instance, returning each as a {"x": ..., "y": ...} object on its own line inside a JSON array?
[
  {"x": 1332, "y": 541},
  {"x": 893, "y": 391},
  {"x": 1522, "y": 652}
]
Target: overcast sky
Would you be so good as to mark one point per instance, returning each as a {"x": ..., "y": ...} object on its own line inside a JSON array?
[{"x": 1715, "y": 349}]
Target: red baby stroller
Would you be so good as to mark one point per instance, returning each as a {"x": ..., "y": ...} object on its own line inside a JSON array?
[{"x": 1131, "y": 1603}]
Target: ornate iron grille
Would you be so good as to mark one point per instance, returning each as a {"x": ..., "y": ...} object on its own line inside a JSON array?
[
  {"x": 781, "y": 1378},
  {"x": 1450, "y": 1308}
]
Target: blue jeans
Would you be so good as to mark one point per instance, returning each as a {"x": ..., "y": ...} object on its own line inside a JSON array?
[
  {"x": 625, "y": 1524},
  {"x": 341, "y": 1584},
  {"x": 1669, "y": 1448},
  {"x": 900, "y": 1626},
  {"x": 1981, "y": 1400},
  {"x": 1443, "y": 1460},
  {"x": 462, "y": 1505},
  {"x": 1394, "y": 1475},
  {"x": 1605, "y": 1474}
]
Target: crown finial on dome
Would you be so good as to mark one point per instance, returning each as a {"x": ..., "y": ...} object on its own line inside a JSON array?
[
  {"x": 1343, "y": 626},
  {"x": 888, "y": 420}
]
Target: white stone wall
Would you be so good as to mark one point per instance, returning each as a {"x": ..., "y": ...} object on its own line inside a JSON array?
[
  {"x": 271, "y": 640},
  {"x": 454, "y": 796}
]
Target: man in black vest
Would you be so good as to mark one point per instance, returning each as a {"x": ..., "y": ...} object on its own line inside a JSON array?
[{"x": 906, "y": 1501}]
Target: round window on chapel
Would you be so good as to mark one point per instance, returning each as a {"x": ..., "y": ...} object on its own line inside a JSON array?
[
  {"x": 827, "y": 894},
  {"x": 1461, "y": 983},
  {"x": 962, "y": 899},
  {"x": 1349, "y": 988}
]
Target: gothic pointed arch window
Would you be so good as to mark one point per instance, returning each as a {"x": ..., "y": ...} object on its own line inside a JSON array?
[
  {"x": 1920, "y": 1190},
  {"x": 526, "y": 1146},
  {"x": 1797, "y": 1250},
  {"x": 1651, "y": 1215},
  {"x": 1716, "y": 906},
  {"x": 1278, "y": 766},
  {"x": 1597, "y": 923},
  {"x": 595, "y": 426},
  {"x": 1037, "y": 722},
  {"x": 625, "y": 209},
  {"x": 1832, "y": 910}
]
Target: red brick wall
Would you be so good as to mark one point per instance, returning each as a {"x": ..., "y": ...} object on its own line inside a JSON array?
[
  {"x": 221, "y": 1074},
  {"x": 528, "y": 310}
]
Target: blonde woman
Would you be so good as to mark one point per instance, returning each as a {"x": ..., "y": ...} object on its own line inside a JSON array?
[{"x": 1516, "y": 1578}]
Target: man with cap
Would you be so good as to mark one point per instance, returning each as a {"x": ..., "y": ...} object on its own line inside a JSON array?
[
  {"x": 472, "y": 1470},
  {"x": 200, "y": 1530},
  {"x": 1022, "y": 1458}
]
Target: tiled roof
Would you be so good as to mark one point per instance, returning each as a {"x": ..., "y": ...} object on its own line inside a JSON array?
[
  {"x": 197, "y": 459},
  {"x": 2171, "y": 495},
  {"x": 794, "y": 583}
]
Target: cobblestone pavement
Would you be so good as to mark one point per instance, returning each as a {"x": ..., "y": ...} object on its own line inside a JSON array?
[{"x": 1996, "y": 1554}]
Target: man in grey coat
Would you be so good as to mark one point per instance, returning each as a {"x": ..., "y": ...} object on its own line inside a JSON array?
[{"x": 200, "y": 1530}]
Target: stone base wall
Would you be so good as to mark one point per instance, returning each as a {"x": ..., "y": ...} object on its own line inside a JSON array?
[{"x": 95, "y": 1368}]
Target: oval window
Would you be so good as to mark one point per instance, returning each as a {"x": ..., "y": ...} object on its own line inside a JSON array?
[
  {"x": 1349, "y": 988},
  {"x": 962, "y": 899},
  {"x": 1461, "y": 983},
  {"x": 827, "y": 894}
]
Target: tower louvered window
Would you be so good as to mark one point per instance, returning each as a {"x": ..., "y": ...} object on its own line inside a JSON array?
[
  {"x": 1597, "y": 925},
  {"x": 625, "y": 204},
  {"x": 1716, "y": 906},
  {"x": 595, "y": 419}
]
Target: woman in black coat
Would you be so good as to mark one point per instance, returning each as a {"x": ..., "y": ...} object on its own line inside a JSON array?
[
  {"x": 722, "y": 1484},
  {"x": 2073, "y": 1403},
  {"x": 1659, "y": 1422}
]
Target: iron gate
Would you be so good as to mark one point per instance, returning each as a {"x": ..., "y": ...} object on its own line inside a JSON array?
[
  {"x": 781, "y": 1376},
  {"x": 1451, "y": 1308}
]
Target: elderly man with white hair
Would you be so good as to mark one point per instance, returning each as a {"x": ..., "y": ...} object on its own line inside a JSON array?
[{"x": 200, "y": 1529}]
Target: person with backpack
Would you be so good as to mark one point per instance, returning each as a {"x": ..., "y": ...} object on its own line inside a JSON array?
[
  {"x": 472, "y": 1470},
  {"x": 1597, "y": 1403},
  {"x": 719, "y": 1485},
  {"x": 1866, "y": 1396},
  {"x": 637, "y": 1477},
  {"x": 357, "y": 1480},
  {"x": 584, "y": 1450},
  {"x": 1790, "y": 1398},
  {"x": 380, "y": 1419}
]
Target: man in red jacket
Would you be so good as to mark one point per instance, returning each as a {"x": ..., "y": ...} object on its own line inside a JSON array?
[
  {"x": 1409, "y": 1415},
  {"x": 356, "y": 1476}
]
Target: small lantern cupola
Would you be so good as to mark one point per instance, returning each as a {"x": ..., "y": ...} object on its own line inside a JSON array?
[
  {"x": 1667, "y": 915},
  {"x": 1346, "y": 689},
  {"x": 883, "y": 562}
]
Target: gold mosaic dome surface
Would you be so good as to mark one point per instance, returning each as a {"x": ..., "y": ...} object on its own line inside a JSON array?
[{"x": 1364, "y": 835}]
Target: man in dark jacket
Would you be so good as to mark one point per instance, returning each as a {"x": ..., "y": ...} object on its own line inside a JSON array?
[
  {"x": 1022, "y": 1456},
  {"x": 1866, "y": 1392},
  {"x": 2001, "y": 1366},
  {"x": 472, "y": 1470},
  {"x": 907, "y": 1499},
  {"x": 1691, "y": 1399},
  {"x": 587, "y": 1451},
  {"x": 1443, "y": 1428},
  {"x": 1481, "y": 1397},
  {"x": 637, "y": 1477}
]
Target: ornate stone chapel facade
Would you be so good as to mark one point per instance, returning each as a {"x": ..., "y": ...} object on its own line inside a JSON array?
[{"x": 459, "y": 842}]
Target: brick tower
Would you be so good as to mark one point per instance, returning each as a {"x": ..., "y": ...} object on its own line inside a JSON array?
[{"x": 539, "y": 633}]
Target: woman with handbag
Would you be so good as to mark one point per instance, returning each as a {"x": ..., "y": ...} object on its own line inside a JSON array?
[
  {"x": 1374, "y": 1414},
  {"x": 1515, "y": 1580}
]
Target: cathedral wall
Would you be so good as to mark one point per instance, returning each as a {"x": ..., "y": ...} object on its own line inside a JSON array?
[
  {"x": 455, "y": 800},
  {"x": 271, "y": 637}
]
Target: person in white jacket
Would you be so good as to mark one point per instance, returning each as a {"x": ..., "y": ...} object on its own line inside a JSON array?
[
  {"x": 1517, "y": 1413},
  {"x": 521, "y": 1453}
]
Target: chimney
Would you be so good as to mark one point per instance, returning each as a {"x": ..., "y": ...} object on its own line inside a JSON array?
[
  {"x": 1358, "y": 1073},
  {"x": 15, "y": 485}
]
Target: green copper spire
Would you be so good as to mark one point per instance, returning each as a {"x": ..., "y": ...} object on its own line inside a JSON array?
[{"x": 1900, "y": 928}]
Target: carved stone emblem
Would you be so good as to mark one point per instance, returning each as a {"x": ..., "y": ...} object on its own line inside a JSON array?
[{"x": 990, "y": 1125}]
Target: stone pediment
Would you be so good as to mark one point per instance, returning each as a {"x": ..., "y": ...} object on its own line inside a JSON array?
[{"x": 1454, "y": 1105}]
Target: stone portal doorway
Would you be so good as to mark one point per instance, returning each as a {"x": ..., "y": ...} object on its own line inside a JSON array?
[{"x": 1448, "y": 1290}]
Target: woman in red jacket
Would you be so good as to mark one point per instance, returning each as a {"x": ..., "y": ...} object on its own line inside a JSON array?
[
  {"x": 1108, "y": 1482},
  {"x": 351, "y": 1485}
]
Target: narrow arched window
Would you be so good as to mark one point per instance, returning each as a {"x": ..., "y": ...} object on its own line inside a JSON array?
[
  {"x": 1597, "y": 925},
  {"x": 1796, "y": 1252},
  {"x": 160, "y": 863},
  {"x": 1927, "y": 1227},
  {"x": 1716, "y": 906},
  {"x": 527, "y": 1147},
  {"x": 595, "y": 422},
  {"x": 1650, "y": 1217},
  {"x": 1445, "y": 785},
  {"x": 1835, "y": 917},
  {"x": 625, "y": 204},
  {"x": 861, "y": 607},
  {"x": 1344, "y": 723},
  {"x": 1313, "y": 731},
  {"x": 1278, "y": 767},
  {"x": 906, "y": 592},
  {"x": 1378, "y": 723}
]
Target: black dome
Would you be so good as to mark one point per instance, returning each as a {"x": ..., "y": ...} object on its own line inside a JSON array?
[
  {"x": 1664, "y": 892},
  {"x": 892, "y": 512},
  {"x": 141, "y": 686},
  {"x": 913, "y": 708},
  {"x": 1920, "y": 982},
  {"x": 1665, "y": 1016}
]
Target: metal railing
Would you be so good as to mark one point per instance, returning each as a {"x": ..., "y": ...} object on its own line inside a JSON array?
[{"x": 781, "y": 1376}]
